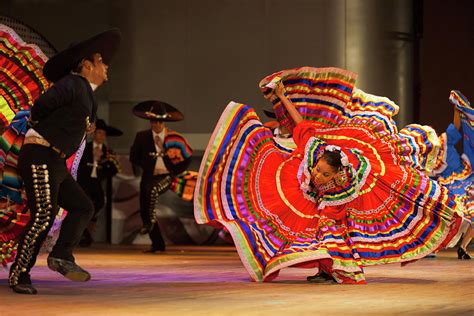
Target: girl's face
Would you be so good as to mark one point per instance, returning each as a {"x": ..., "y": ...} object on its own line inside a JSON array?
[{"x": 322, "y": 173}]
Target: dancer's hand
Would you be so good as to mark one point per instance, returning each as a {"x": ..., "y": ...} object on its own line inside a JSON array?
[
  {"x": 280, "y": 92},
  {"x": 90, "y": 128}
]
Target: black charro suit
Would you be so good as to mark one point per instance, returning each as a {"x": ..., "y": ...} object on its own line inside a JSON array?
[
  {"x": 140, "y": 155},
  {"x": 93, "y": 186},
  {"x": 60, "y": 116},
  {"x": 143, "y": 154}
]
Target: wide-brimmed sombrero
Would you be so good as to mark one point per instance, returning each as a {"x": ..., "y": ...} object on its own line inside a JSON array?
[
  {"x": 105, "y": 43},
  {"x": 109, "y": 130},
  {"x": 157, "y": 111},
  {"x": 270, "y": 113}
]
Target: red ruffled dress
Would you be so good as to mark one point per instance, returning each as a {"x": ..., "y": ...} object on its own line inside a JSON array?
[
  {"x": 387, "y": 210},
  {"x": 22, "y": 82}
]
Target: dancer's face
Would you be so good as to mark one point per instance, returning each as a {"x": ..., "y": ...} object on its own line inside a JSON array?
[
  {"x": 284, "y": 130},
  {"x": 157, "y": 126},
  {"x": 95, "y": 71},
  {"x": 99, "y": 136},
  {"x": 322, "y": 172}
]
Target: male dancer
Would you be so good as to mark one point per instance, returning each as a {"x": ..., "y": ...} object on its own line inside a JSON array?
[
  {"x": 59, "y": 120},
  {"x": 161, "y": 154}
]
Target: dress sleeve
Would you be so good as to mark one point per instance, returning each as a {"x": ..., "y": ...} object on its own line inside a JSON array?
[
  {"x": 302, "y": 133},
  {"x": 453, "y": 135},
  {"x": 453, "y": 159}
]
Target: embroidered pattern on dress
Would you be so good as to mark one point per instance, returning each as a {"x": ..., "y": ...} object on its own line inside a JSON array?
[{"x": 260, "y": 202}]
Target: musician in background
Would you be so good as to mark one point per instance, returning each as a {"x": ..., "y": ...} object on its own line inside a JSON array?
[{"x": 97, "y": 164}]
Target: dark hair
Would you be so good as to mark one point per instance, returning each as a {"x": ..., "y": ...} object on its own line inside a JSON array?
[
  {"x": 78, "y": 67},
  {"x": 333, "y": 158}
]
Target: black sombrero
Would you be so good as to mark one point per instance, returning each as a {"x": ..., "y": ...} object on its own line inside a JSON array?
[
  {"x": 157, "y": 111},
  {"x": 105, "y": 43},
  {"x": 109, "y": 130},
  {"x": 270, "y": 113}
]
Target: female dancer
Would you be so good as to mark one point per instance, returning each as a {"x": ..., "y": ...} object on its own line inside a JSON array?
[
  {"x": 348, "y": 196},
  {"x": 454, "y": 170}
]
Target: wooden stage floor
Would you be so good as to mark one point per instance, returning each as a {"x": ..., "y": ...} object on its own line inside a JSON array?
[{"x": 192, "y": 280}]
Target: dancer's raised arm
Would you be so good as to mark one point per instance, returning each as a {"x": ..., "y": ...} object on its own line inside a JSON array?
[
  {"x": 457, "y": 119},
  {"x": 290, "y": 107}
]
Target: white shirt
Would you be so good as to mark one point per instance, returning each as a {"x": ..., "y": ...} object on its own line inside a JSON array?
[
  {"x": 32, "y": 132},
  {"x": 159, "y": 164},
  {"x": 95, "y": 161},
  {"x": 95, "y": 145}
]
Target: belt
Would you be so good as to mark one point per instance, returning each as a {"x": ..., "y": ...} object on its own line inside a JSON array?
[{"x": 43, "y": 142}]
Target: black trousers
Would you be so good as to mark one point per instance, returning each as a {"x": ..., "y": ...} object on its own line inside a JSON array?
[
  {"x": 93, "y": 189},
  {"x": 150, "y": 190},
  {"x": 48, "y": 185},
  {"x": 95, "y": 192}
]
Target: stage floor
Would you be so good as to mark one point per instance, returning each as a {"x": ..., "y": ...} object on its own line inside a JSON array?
[{"x": 192, "y": 280}]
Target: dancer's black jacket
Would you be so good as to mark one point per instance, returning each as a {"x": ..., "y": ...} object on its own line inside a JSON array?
[{"x": 62, "y": 113}]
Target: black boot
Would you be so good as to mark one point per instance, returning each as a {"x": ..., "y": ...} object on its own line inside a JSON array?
[
  {"x": 462, "y": 254},
  {"x": 23, "y": 285},
  {"x": 21, "y": 288},
  {"x": 69, "y": 269},
  {"x": 321, "y": 277}
]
